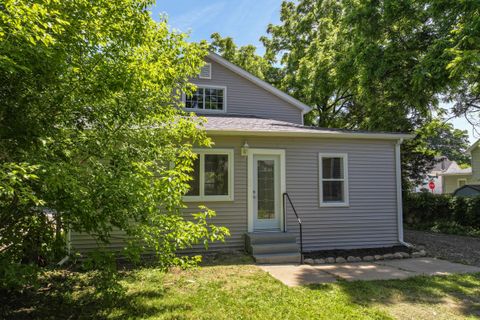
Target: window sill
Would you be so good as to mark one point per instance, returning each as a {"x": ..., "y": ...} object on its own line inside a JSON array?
[
  {"x": 204, "y": 111},
  {"x": 334, "y": 205},
  {"x": 207, "y": 198}
]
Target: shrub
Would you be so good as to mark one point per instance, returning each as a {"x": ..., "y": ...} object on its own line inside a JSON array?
[{"x": 442, "y": 212}]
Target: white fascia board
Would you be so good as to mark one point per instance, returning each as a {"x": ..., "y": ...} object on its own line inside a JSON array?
[
  {"x": 282, "y": 95},
  {"x": 333, "y": 134}
]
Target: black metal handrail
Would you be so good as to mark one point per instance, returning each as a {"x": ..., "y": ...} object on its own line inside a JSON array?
[{"x": 285, "y": 198}]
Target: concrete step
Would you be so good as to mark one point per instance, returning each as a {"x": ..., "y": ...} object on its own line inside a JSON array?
[
  {"x": 270, "y": 237},
  {"x": 292, "y": 257},
  {"x": 282, "y": 247}
]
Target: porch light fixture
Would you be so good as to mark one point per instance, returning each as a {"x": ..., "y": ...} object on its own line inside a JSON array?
[{"x": 244, "y": 149}]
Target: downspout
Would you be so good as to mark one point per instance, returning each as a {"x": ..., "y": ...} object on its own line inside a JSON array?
[{"x": 398, "y": 167}]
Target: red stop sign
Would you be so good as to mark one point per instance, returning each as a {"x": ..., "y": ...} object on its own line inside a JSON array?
[{"x": 431, "y": 185}]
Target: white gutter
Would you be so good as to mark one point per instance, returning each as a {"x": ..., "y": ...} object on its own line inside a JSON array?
[
  {"x": 398, "y": 174},
  {"x": 310, "y": 134}
]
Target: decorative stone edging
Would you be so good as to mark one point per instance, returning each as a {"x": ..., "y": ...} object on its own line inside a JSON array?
[{"x": 388, "y": 256}]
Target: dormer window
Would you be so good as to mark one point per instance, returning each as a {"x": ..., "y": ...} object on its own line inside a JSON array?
[
  {"x": 206, "y": 71},
  {"x": 207, "y": 98}
]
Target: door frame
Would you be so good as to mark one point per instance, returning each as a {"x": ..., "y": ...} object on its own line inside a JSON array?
[{"x": 250, "y": 177}]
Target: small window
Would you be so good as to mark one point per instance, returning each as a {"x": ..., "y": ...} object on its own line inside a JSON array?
[
  {"x": 207, "y": 98},
  {"x": 333, "y": 180},
  {"x": 461, "y": 182},
  {"x": 206, "y": 71},
  {"x": 212, "y": 176}
]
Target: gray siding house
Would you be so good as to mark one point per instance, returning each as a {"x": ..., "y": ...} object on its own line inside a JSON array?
[{"x": 344, "y": 185}]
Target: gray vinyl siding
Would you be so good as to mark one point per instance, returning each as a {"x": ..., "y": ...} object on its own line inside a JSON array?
[
  {"x": 369, "y": 221},
  {"x": 246, "y": 98},
  {"x": 84, "y": 243}
]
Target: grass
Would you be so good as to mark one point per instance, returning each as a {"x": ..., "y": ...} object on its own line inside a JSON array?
[{"x": 236, "y": 289}]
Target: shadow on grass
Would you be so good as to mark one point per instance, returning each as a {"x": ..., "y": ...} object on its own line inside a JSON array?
[
  {"x": 65, "y": 294},
  {"x": 427, "y": 290},
  {"x": 226, "y": 259},
  {"x": 91, "y": 295}
]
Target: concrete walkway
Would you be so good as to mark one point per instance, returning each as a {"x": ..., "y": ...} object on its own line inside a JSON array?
[{"x": 295, "y": 275}]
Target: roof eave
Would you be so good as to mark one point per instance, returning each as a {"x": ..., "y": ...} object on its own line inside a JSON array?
[
  {"x": 455, "y": 174},
  {"x": 339, "y": 135},
  {"x": 472, "y": 147},
  {"x": 282, "y": 95}
]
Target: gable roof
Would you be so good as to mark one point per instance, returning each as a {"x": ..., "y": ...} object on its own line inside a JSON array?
[
  {"x": 473, "y": 146},
  {"x": 454, "y": 169},
  {"x": 282, "y": 95},
  {"x": 245, "y": 125}
]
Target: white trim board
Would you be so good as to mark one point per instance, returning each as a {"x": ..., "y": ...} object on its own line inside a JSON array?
[
  {"x": 206, "y": 111},
  {"x": 231, "y": 174},
  {"x": 283, "y": 185},
  {"x": 345, "y": 202}
]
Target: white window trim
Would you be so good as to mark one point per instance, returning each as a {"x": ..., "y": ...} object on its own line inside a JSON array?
[
  {"x": 461, "y": 179},
  {"x": 206, "y": 111},
  {"x": 209, "y": 65},
  {"x": 344, "y": 156},
  {"x": 201, "y": 154}
]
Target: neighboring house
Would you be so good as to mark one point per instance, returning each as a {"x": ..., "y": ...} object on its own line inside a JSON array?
[
  {"x": 456, "y": 177},
  {"x": 345, "y": 185},
  {"x": 435, "y": 176}
]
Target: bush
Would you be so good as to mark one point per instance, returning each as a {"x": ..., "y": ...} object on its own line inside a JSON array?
[{"x": 442, "y": 212}]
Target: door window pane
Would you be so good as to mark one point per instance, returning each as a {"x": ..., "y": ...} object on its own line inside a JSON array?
[
  {"x": 216, "y": 174},
  {"x": 266, "y": 189}
]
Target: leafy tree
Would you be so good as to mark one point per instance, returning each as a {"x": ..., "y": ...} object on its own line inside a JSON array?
[
  {"x": 90, "y": 134},
  {"x": 445, "y": 140},
  {"x": 246, "y": 58}
]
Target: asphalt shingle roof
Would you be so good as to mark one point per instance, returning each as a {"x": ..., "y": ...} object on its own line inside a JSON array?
[{"x": 245, "y": 124}]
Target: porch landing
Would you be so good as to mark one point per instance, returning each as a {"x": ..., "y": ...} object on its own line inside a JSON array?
[{"x": 296, "y": 275}]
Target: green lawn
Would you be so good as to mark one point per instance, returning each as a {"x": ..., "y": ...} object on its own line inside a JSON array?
[{"x": 235, "y": 289}]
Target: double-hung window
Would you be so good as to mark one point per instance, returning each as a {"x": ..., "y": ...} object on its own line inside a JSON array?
[
  {"x": 212, "y": 176},
  {"x": 333, "y": 179},
  {"x": 207, "y": 98}
]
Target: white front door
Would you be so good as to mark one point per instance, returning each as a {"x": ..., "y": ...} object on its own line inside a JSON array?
[{"x": 266, "y": 192}]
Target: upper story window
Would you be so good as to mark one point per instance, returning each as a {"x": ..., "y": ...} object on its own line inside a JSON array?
[
  {"x": 333, "y": 184},
  {"x": 207, "y": 98}
]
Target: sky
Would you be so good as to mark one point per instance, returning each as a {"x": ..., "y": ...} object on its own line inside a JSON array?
[{"x": 243, "y": 20}]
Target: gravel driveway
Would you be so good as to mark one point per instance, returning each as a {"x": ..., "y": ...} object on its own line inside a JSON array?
[{"x": 461, "y": 249}]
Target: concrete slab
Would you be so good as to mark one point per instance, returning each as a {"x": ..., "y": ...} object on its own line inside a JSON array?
[
  {"x": 365, "y": 271},
  {"x": 297, "y": 275},
  {"x": 429, "y": 266}
]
